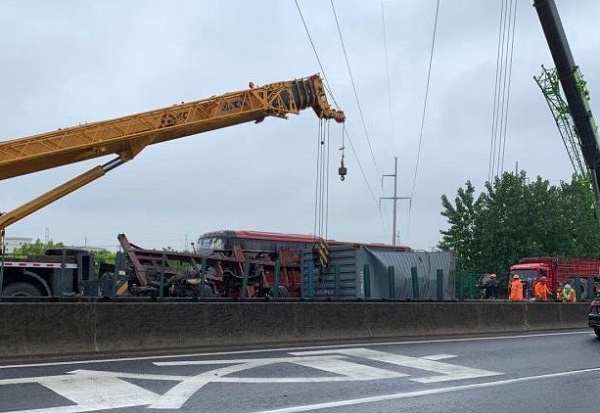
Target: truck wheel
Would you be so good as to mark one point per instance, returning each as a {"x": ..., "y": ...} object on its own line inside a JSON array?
[
  {"x": 597, "y": 331},
  {"x": 20, "y": 289},
  {"x": 584, "y": 292}
]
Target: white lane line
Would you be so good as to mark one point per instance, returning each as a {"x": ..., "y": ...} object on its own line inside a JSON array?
[
  {"x": 270, "y": 360},
  {"x": 299, "y": 348},
  {"x": 396, "y": 396},
  {"x": 439, "y": 356}
]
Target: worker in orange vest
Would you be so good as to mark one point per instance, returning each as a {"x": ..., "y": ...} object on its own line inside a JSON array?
[
  {"x": 515, "y": 289},
  {"x": 541, "y": 290},
  {"x": 568, "y": 294}
]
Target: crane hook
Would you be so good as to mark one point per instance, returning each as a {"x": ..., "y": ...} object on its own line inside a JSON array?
[{"x": 342, "y": 170}]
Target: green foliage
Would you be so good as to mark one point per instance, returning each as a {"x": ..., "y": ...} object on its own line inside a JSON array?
[
  {"x": 104, "y": 256},
  {"x": 37, "y": 248},
  {"x": 515, "y": 218}
]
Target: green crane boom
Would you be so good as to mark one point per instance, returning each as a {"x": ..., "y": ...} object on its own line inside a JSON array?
[{"x": 550, "y": 86}]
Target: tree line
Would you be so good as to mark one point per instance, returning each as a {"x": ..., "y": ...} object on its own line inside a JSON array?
[{"x": 515, "y": 217}]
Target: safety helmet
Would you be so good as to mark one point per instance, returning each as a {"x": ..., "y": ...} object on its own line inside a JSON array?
[
  {"x": 567, "y": 287},
  {"x": 516, "y": 277}
]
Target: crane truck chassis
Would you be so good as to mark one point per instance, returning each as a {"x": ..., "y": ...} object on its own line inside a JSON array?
[{"x": 59, "y": 273}]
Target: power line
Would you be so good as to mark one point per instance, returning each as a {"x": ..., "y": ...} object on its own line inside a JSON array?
[
  {"x": 327, "y": 86},
  {"x": 362, "y": 119},
  {"x": 345, "y": 133},
  {"x": 362, "y": 171},
  {"x": 387, "y": 70},
  {"x": 414, "y": 185},
  {"x": 437, "y": 9}
]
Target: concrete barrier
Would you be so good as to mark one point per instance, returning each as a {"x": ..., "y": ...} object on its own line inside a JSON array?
[{"x": 56, "y": 329}]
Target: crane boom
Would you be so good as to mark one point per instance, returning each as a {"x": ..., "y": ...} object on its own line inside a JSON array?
[
  {"x": 549, "y": 85},
  {"x": 574, "y": 89},
  {"x": 128, "y": 135}
]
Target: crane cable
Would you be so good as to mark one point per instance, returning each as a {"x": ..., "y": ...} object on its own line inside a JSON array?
[
  {"x": 360, "y": 112},
  {"x": 322, "y": 181},
  {"x": 414, "y": 185}
]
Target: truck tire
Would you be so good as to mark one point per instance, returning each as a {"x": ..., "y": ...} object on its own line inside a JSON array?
[
  {"x": 584, "y": 290},
  {"x": 20, "y": 289},
  {"x": 597, "y": 331}
]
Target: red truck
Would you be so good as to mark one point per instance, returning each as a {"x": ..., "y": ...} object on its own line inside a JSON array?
[{"x": 558, "y": 271}]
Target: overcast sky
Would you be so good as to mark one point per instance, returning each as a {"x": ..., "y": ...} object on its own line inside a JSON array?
[{"x": 70, "y": 62}]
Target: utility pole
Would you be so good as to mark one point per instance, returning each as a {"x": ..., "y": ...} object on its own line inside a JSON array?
[{"x": 394, "y": 198}]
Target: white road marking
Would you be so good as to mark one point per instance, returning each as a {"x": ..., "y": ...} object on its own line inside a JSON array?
[
  {"x": 109, "y": 389},
  {"x": 179, "y": 394},
  {"x": 268, "y": 360},
  {"x": 89, "y": 393},
  {"x": 344, "y": 371},
  {"x": 298, "y": 348},
  {"x": 439, "y": 356},
  {"x": 98, "y": 392},
  {"x": 396, "y": 396},
  {"x": 448, "y": 372},
  {"x": 351, "y": 371}
]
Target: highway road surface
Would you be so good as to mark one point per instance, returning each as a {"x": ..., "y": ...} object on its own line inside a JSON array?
[{"x": 543, "y": 372}]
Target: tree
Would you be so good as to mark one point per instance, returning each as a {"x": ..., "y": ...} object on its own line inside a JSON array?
[
  {"x": 104, "y": 256},
  {"x": 37, "y": 248},
  {"x": 459, "y": 237},
  {"x": 515, "y": 218}
]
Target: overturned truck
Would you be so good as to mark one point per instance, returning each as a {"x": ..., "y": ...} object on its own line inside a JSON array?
[
  {"x": 355, "y": 271},
  {"x": 233, "y": 273}
]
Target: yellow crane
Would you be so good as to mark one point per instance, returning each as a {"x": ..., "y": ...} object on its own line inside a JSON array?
[{"x": 128, "y": 135}]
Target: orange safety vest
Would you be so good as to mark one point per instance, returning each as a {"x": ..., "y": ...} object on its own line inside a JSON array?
[
  {"x": 516, "y": 290},
  {"x": 541, "y": 292}
]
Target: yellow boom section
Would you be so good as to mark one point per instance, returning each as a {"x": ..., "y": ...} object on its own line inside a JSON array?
[{"x": 128, "y": 135}]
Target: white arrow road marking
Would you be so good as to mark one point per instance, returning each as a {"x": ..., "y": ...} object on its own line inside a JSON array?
[
  {"x": 98, "y": 390},
  {"x": 344, "y": 370},
  {"x": 448, "y": 372},
  {"x": 179, "y": 394},
  {"x": 88, "y": 392}
]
